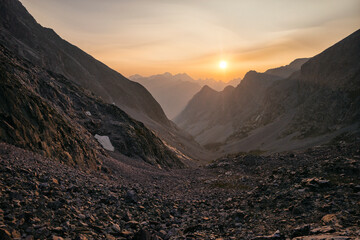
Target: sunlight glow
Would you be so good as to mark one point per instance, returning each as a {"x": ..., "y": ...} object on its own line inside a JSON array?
[{"x": 223, "y": 64}]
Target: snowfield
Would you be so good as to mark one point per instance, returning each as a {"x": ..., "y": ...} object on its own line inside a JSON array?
[{"x": 105, "y": 142}]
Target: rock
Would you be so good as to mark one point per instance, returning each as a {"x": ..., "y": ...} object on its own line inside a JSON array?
[
  {"x": 109, "y": 237},
  {"x": 325, "y": 237},
  {"x": 274, "y": 236},
  {"x": 316, "y": 182},
  {"x": 81, "y": 237},
  {"x": 127, "y": 216},
  {"x": 142, "y": 235},
  {"x": 131, "y": 196},
  {"x": 126, "y": 233},
  {"x": 173, "y": 232},
  {"x": 57, "y": 238},
  {"x": 132, "y": 224},
  {"x": 301, "y": 231},
  {"x": 55, "y": 205},
  {"x": 115, "y": 227},
  {"x": 324, "y": 229},
  {"x": 5, "y": 234},
  {"x": 15, "y": 234},
  {"x": 54, "y": 180},
  {"x": 329, "y": 219}
]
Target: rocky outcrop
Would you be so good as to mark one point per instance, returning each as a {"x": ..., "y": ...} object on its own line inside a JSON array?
[{"x": 27, "y": 121}]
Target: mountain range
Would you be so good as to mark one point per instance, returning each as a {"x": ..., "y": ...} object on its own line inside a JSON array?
[
  {"x": 306, "y": 103},
  {"x": 173, "y": 92}
]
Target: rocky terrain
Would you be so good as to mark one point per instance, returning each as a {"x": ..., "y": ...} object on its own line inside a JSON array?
[{"x": 313, "y": 194}]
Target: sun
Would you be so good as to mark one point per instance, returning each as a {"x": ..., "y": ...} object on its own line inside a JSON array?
[{"x": 223, "y": 64}]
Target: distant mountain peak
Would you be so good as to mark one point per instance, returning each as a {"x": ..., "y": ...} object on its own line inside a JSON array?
[
  {"x": 206, "y": 89},
  {"x": 250, "y": 74},
  {"x": 228, "y": 88},
  {"x": 166, "y": 74},
  {"x": 135, "y": 76}
]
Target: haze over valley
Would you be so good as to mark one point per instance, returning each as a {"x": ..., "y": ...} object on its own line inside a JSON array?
[{"x": 173, "y": 92}]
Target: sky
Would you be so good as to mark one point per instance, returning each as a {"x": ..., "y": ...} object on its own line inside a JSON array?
[{"x": 149, "y": 37}]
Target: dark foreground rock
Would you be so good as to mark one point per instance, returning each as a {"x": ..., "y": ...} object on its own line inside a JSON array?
[{"x": 301, "y": 195}]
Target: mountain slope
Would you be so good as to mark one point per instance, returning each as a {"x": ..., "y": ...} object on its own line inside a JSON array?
[
  {"x": 22, "y": 34},
  {"x": 272, "y": 113},
  {"x": 45, "y": 112},
  {"x": 211, "y": 116}
]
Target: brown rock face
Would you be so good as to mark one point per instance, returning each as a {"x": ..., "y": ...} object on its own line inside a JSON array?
[{"x": 27, "y": 121}]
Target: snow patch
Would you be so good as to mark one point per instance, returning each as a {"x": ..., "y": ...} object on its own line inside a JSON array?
[
  {"x": 88, "y": 113},
  {"x": 105, "y": 142}
]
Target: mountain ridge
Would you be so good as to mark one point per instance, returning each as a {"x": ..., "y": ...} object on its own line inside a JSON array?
[{"x": 272, "y": 113}]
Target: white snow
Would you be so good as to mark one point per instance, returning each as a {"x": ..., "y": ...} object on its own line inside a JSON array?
[
  {"x": 88, "y": 113},
  {"x": 105, "y": 142}
]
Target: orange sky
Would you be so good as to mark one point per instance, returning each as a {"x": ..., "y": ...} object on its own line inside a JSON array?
[{"x": 192, "y": 36}]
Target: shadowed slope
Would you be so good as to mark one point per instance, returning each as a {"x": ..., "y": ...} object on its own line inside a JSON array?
[
  {"x": 42, "y": 46},
  {"x": 45, "y": 112}
]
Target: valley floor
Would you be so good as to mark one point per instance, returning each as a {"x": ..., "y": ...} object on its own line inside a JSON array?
[{"x": 314, "y": 194}]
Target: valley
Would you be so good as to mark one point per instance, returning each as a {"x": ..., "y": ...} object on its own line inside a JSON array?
[{"x": 86, "y": 153}]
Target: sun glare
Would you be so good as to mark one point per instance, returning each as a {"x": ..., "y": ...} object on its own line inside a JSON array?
[{"x": 222, "y": 64}]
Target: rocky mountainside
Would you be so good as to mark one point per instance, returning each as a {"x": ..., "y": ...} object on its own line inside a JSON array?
[
  {"x": 173, "y": 92},
  {"x": 21, "y": 34},
  {"x": 47, "y": 113},
  {"x": 270, "y": 113}
]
